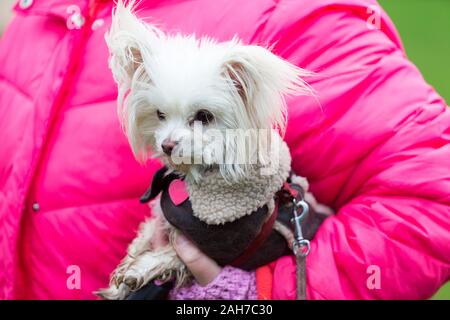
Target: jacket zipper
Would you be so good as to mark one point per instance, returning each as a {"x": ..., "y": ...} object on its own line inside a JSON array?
[
  {"x": 75, "y": 56},
  {"x": 79, "y": 44}
]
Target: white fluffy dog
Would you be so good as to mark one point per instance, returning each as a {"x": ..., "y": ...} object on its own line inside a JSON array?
[{"x": 169, "y": 85}]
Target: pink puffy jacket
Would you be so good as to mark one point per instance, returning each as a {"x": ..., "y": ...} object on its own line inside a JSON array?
[{"x": 377, "y": 149}]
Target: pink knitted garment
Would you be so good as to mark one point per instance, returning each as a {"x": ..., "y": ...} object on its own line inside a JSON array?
[{"x": 230, "y": 284}]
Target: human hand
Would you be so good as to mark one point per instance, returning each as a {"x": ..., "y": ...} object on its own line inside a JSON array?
[{"x": 203, "y": 268}]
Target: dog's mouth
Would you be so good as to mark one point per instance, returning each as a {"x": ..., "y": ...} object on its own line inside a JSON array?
[
  {"x": 181, "y": 159},
  {"x": 176, "y": 165}
]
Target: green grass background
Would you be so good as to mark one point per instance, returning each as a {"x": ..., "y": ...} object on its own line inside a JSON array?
[{"x": 424, "y": 26}]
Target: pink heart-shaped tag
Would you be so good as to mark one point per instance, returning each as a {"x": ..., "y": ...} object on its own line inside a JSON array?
[{"x": 177, "y": 192}]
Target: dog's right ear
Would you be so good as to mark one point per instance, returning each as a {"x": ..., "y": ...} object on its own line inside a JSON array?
[{"x": 130, "y": 42}]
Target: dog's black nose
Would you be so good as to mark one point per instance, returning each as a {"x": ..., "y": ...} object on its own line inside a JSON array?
[{"x": 167, "y": 146}]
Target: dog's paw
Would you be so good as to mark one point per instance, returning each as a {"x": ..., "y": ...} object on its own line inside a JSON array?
[
  {"x": 134, "y": 279},
  {"x": 114, "y": 292},
  {"x": 117, "y": 278}
]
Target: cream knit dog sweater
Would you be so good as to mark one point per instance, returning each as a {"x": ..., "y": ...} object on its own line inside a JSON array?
[{"x": 217, "y": 201}]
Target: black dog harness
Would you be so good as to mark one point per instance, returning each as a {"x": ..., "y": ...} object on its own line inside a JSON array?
[{"x": 248, "y": 242}]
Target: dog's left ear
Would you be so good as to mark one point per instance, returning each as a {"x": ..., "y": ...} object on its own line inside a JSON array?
[{"x": 261, "y": 81}]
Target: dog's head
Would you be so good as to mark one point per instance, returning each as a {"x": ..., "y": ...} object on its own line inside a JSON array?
[{"x": 191, "y": 101}]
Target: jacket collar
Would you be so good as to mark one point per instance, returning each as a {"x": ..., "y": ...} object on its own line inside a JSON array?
[
  {"x": 64, "y": 8},
  {"x": 57, "y": 8}
]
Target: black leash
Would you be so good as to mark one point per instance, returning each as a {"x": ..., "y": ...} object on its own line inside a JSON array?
[{"x": 300, "y": 246}]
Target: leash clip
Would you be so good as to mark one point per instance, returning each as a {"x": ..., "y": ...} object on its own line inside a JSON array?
[{"x": 300, "y": 245}]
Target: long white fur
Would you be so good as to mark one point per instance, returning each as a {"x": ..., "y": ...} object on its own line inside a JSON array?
[{"x": 242, "y": 86}]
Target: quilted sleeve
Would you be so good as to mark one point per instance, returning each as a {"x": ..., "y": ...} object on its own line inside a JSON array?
[{"x": 375, "y": 146}]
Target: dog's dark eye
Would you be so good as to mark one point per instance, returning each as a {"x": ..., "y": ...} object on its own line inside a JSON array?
[
  {"x": 204, "y": 116},
  {"x": 161, "y": 116}
]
